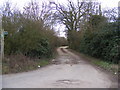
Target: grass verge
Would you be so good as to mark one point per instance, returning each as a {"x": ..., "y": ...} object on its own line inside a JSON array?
[
  {"x": 102, "y": 64},
  {"x": 98, "y": 62},
  {"x": 21, "y": 63},
  {"x": 108, "y": 66}
]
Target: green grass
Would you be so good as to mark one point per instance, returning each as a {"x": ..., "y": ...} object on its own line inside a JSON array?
[
  {"x": 98, "y": 62},
  {"x": 101, "y": 63},
  {"x": 106, "y": 65},
  {"x": 43, "y": 63}
]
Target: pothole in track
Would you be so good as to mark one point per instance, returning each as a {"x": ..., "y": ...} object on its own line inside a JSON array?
[{"x": 67, "y": 81}]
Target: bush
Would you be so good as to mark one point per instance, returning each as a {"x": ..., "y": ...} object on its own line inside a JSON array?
[
  {"x": 102, "y": 43},
  {"x": 100, "y": 39}
]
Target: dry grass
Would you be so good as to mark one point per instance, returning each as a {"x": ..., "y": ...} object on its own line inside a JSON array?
[{"x": 20, "y": 63}]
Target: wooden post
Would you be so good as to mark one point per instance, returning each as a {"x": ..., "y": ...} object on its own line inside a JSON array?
[
  {"x": 2, "y": 44},
  {"x": 1, "y": 51}
]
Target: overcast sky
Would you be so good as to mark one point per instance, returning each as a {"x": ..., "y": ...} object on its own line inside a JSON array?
[{"x": 104, "y": 4}]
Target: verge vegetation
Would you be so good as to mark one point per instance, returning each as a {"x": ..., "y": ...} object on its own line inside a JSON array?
[{"x": 110, "y": 67}]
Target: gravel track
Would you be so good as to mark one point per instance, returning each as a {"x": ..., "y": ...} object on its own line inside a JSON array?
[{"x": 66, "y": 71}]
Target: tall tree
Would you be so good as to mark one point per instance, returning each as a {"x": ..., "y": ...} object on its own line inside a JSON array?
[{"x": 73, "y": 14}]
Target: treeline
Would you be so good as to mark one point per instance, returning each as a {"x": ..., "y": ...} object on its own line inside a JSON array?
[
  {"x": 29, "y": 32},
  {"x": 100, "y": 39},
  {"x": 91, "y": 30}
]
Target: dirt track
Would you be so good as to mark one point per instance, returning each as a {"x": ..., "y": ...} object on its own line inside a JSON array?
[{"x": 67, "y": 71}]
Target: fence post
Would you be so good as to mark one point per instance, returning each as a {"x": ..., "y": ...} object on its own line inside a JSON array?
[{"x": 2, "y": 44}]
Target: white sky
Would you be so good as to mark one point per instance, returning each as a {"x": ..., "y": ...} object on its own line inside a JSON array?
[
  {"x": 21, "y": 3},
  {"x": 104, "y": 3}
]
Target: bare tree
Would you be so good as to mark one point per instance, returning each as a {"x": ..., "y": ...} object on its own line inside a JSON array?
[
  {"x": 111, "y": 14},
  {"x": 41, "y": 12},
  {"x": 73, "y": 15},
  {"x": 32, "y": 10}
]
